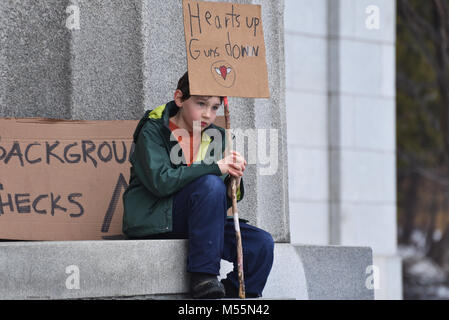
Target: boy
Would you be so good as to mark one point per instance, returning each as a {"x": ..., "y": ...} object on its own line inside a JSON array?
[{"x": 189, "y": 200}]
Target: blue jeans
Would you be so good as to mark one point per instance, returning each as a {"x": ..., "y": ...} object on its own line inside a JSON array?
[{"x": 199, "y": 214}]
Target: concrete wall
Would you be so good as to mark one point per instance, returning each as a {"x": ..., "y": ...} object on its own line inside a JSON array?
[
  {"x": 106, "y": 60},
  {"x": 341, "y": 129},
  {"x": 34, "y": 60}
]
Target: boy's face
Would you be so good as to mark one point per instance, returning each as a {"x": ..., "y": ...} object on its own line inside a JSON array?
[{"x": 198, "y": 108}]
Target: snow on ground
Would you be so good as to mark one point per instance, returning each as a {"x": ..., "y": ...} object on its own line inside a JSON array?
[{"x": 423, "y": 279}]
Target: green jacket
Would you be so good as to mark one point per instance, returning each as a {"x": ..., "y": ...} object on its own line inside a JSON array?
[{"x": 154, "y": 178}]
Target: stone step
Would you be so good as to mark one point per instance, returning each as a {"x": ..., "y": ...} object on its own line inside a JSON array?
[{"x": 155, "y": 269}]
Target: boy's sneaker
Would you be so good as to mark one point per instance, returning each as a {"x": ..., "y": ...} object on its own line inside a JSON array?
[
  {"x": 206, "y": 286},
  {"x": 231, "y": 292}
]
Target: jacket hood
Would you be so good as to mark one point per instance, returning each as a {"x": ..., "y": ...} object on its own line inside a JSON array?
[{"x": 162, "y": 113}]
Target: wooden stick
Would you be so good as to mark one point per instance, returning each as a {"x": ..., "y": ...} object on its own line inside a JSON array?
[{"x": 235, "y": 214}]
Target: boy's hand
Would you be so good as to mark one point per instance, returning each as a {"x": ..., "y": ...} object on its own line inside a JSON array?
[{"x": 234, "y": 164}]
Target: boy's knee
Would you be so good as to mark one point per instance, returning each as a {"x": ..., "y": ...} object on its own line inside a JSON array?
[
  {"x": 266, "y": 242},
  {"x": 269, "y": 241},
  {"x": 211, "y": 184}
]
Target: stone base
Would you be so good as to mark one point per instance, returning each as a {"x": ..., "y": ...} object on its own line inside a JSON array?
[{"x": 156, "y": 269}]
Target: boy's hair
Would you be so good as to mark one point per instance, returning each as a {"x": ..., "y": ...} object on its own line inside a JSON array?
[{"x": 183, "y": 85}]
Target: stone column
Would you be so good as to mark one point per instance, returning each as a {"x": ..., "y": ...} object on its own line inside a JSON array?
[
  {"x": 270, "y": 114},
  {"x": 340, "y": 72},
  {"x": 362, "y": 145}
]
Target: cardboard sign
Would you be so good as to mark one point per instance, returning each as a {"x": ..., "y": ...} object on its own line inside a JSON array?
[
  {"x": 225, "y": 49},
  {"x": 63, "y": 180}
]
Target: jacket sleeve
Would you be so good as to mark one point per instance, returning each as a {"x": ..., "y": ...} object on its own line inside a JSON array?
[{"x": 152, "y": 166}]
